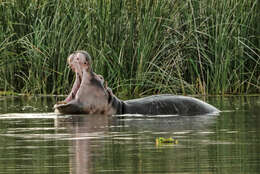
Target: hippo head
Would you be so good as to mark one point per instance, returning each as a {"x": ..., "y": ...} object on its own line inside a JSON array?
[{"x": 88, "y": 95}]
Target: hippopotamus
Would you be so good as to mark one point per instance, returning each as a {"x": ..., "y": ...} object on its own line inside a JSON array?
[{"x": 90, "y": 95}]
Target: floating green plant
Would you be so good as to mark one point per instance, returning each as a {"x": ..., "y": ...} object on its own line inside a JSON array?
[{"x": 170, "y": 140}]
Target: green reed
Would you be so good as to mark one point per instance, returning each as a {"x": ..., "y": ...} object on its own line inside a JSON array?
[{"x": 140, "y": 47}]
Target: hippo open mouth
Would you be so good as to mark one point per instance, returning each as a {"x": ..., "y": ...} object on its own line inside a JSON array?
[
  {"x": 79, "y": 62},
  {"x": 88, "y": 94},
  {"x": 75, "y": 89},
  {"x": 73, "y": 64}
]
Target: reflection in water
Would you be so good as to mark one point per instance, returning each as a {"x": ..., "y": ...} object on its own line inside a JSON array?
[
  {"x": 83, "y": 130},
  {"x": 43, "y": 142},
  {"x": 86, "y": 129}
]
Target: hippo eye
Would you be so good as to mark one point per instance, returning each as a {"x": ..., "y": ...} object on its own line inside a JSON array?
[{"x": 85, "y": 63}]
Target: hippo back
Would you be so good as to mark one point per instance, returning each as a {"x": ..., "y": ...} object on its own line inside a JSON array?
[{"x": 168, "y": 105}]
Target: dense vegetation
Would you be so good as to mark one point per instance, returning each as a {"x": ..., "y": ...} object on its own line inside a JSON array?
[{"x": 140, "y": 47}]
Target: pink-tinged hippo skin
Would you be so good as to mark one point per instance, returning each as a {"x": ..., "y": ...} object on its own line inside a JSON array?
[{"x": 90, "y": 96}]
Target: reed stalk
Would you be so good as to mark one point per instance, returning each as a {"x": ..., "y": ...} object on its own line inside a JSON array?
[{"x": 140, "y": 47}]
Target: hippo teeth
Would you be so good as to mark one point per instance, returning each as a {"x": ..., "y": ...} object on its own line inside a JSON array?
[
  {"x": 77, "y": 88},
  {"x": 74, "y": 90}
]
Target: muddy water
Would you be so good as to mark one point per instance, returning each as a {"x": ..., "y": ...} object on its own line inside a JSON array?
[{"x": 35, "y": 140}]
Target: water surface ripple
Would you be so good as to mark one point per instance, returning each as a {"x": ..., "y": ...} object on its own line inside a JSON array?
[{"x": 35, "y": 140}]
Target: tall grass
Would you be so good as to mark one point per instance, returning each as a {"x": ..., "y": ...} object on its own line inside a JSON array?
[{"x": 140, "y": 47}]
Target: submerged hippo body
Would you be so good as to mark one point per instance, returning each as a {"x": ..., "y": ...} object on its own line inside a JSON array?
[
  {"x": 164, "y": 105},
  {"x": 90, "y": 96}
]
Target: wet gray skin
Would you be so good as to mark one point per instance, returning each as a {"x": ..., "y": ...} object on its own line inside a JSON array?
[
  {"x": 162, "y": 105},
  {"x": 90, "y": 96}
]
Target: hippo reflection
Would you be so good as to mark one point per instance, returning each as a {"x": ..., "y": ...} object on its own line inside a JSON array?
[{"x": 89, "y": 95}]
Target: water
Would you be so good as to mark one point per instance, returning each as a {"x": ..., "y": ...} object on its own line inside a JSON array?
[{"x": 35, "y": 140}]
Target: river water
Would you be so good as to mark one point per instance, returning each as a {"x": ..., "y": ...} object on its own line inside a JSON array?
[{"x": 35, "y": 140}]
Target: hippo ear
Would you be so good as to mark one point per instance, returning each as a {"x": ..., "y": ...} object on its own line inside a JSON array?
[{"x": 110, "y": 94}]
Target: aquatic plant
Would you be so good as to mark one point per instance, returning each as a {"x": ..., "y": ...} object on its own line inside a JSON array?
[{"x": 140, "y": 47}]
